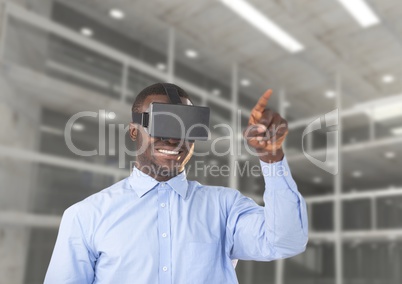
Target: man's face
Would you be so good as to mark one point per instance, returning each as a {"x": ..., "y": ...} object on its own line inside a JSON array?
[{"x": 157, "y": 157}]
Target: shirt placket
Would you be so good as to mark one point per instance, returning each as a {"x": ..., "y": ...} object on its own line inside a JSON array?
[{"x": 165, "y": 263}]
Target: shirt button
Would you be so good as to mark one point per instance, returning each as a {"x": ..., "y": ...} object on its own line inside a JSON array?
[
  {"x": 163, "y": 184},
  {"x": 163, "y": 205},
  {"x": 164, "y": 268},
  {"x": 164, "y": 235}
]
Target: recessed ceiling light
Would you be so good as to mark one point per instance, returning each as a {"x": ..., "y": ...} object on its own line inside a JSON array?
[
  {"x": 245, "y": 82},
  {"x": 87, "y": 31},
  {"x": 330, "y": 94},
  {"x": 397, "y": 131},
  {"x": 390, "y": 155},
  {"x": 216, "y": 92},
  {"x": 78, "y": 127},
  {"x": 107, "y": 115},
  {"x": 190, "y": 53},
  {"x": 161, "y": 66},
  {"x": 388, "y": 79},
  {"x": 252, "y": 15},
  {"x": 111, "y": 115},
  {"x": 317, "y": 179},
  {"x": 116, "y": 14},
  {"x": 357, "y": 174},
  {"x": 361, "y": 11}
]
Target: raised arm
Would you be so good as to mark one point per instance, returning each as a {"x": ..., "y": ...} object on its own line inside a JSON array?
[{"x": 280, "y": 229}]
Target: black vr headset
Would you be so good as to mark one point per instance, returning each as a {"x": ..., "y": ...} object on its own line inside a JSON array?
[{"x": 174, "y": 120}]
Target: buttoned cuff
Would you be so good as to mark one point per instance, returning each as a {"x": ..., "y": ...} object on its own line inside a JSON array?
[{"x": 277, "y": 177}]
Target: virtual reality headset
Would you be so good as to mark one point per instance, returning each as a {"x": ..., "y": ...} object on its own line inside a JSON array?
[{"x": 175, "y": 120}]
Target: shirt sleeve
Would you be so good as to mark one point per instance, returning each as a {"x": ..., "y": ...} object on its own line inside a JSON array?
[
  {"x": 72, "y": 260},
  {"x": 278, "y": 230}
]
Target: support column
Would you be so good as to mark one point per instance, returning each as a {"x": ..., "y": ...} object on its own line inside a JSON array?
[
  {"x": 371, "y": 127},
  {"x": 171, "y": 55},
  {"x": 338, "y": 188},
  {"x": 124, "y": 83},
  {"x": 233, "y": 183},
  {"x": 19, "y": 127},
  {"x": 280, "y": 263},
  {"x": 236, "y": 128},
  {"x": 373, "y": 212},
  {"x": 20, "y": 119}
]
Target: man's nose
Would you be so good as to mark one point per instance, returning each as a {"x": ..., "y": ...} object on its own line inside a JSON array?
[
  {"x": 171, "y": 140},
  {"x": 174, "y": 141}
]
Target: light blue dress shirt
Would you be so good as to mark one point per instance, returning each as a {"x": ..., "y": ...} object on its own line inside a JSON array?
[{"x": 141, "y": 231}]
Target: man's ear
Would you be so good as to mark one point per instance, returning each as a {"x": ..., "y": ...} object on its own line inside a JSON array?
[{"x": 133, "y": 131}]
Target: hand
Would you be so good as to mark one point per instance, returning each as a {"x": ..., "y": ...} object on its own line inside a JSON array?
[{"x": 266, "y": 131}]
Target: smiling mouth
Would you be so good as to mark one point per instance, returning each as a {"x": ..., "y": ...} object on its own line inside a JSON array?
[{"x": 168, "y": 152}]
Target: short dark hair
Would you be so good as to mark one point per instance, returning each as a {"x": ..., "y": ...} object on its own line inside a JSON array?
[{"x": 155, "y": 89}]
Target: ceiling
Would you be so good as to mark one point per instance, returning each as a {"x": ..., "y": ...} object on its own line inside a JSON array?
[{"x": 333, "y": 39}]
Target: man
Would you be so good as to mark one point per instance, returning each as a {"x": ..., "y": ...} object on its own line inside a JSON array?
[{"x": 158, "y": 227}]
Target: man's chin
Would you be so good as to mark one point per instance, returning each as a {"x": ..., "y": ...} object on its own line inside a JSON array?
[{"x": 168, "y": 168}]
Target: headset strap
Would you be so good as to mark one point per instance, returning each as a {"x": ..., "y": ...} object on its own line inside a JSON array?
[
  {"x": 141, "y": 118},
  {"x": 172, "y": 93}
]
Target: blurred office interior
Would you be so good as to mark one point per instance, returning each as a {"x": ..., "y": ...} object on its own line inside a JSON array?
[{"x": 322, "y": 59}]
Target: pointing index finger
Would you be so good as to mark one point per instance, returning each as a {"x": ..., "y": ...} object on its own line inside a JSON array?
[{"x": 263, "y": 101}]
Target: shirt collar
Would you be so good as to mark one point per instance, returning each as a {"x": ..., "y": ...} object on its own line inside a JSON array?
[
  {"x": 179, "y": 184},
  {"x": 141, "y": 183}
]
